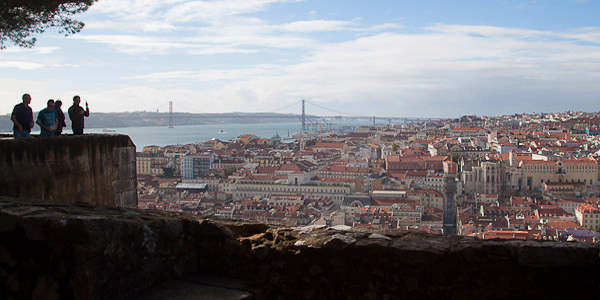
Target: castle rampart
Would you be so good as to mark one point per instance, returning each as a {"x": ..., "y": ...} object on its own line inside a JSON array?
[{"x": 93, "y": 168}]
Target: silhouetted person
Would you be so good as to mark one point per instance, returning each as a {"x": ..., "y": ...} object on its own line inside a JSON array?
[
  {"x": 76, "y": 114},
  {"x": 47, "y": 120},
  {"x": 22, "y": 116},
  {"x": 60, "y": 115}
]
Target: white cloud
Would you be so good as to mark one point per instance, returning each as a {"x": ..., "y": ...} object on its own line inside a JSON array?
[
  {"x": 179, "y": 11},
  {"x": 158, "y": 27},
  {"x": 316, "y": 26},
  {"x": 34, "y": 50},
  {"x": 23, "y": 65},
  {"x": 213, "y": 75},
  {"x": 132, "y": 44},
  {"x": 210, "y": 10}
]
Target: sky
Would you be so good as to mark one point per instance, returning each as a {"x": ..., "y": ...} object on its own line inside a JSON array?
[{"x": 397, "y": 58}]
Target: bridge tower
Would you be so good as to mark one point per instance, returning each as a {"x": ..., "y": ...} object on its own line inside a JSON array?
[
  {"x": 303, "y": 118},
  {"x": 170, "y": 114}
]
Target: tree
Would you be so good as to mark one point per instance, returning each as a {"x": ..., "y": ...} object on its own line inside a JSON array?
[
  {"x": 21, "y": 18},
  {"x": 394, "y": 147}
]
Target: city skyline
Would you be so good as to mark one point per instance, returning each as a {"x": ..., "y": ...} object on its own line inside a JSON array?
[{"x": 430, "y": 59}]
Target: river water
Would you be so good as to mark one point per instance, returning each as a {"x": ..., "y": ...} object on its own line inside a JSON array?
[{"x": 185, "y": 134}]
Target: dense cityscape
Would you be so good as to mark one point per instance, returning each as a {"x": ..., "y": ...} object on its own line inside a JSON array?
[
  {"x": 522, "y": 176},
  {"x": 183, "y": 168}
]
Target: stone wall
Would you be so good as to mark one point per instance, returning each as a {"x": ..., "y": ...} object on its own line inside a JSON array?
[
  {"x": 93, "y": 168},
  {"x": 82, "y": 251}
]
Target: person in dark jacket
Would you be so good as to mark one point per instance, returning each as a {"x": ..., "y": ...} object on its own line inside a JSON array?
[
  {"x": 60, "y": 115},
  {"x": 22, "y": 117},
  {"x": 76, "y": 114}
]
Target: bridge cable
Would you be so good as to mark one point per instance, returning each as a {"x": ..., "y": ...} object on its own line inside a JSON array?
[
  {"x": 331, "y": 110},
  {"x": 295, "y": 103},
  {"x": 189, "y": 109},
  {"x": 159, "y": 106}
]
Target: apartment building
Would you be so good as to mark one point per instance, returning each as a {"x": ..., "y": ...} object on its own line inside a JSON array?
[
  {"x": 175, "y": 159},
  {"x": 333, "y": 171},
  {"x": 419, "y": 163},
  {"x": 468, "y": 132},
  {"x": 425, "y": 197},
  {"x": 588, "y": 216},
  {"x": 525, "y": 172},
  {"x": 537, "y": 172},
  {"x": 148, "y": 163},
  {"x": 195, "y": 164},
  {"x": 241, "y": 189}
]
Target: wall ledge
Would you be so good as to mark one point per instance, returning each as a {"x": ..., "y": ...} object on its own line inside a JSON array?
[{"x": 84, "y": 251}]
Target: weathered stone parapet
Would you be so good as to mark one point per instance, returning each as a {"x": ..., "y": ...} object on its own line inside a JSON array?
[
  {"x": 93, "y": 168},
  {"x": 82, "y": 251},
  {"x": 344, "y": 263}
]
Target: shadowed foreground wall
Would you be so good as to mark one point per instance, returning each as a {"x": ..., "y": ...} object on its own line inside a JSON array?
[
  {"x": 94, "y": 168},
  {"x": 81, "y": 251}
]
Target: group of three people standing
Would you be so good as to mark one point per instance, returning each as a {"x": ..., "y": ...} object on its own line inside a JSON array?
[{"x": 51, "y": 119}]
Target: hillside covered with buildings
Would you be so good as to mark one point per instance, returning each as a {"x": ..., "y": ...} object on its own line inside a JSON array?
[{"x": 523, "y": 176}]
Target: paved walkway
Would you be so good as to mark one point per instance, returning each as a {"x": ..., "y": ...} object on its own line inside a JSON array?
[{"x": 203, "y": 287}]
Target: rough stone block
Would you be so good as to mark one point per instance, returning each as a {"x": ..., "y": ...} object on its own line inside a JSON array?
[
  {"x": 116, "y": 156},
  {"x": 118, "y": 200},
  {"x": 130, "y": 155},
  {"x": 339, "y": 242},
  {"x": 126, "y": 171},
  {"x": 124, "y": 185},
  {"x": 9, "y": 217},
  {"x": 34, "y": 227},
  {"x": 123, "y": 155},
  {"x": 129, "y": 199}
]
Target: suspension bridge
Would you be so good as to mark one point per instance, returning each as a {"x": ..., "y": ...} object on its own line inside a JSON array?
[{"x": 306, "y": 120}]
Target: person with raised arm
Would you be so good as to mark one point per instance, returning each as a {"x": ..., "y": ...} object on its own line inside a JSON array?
[{"x": 76, "y": 114}]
